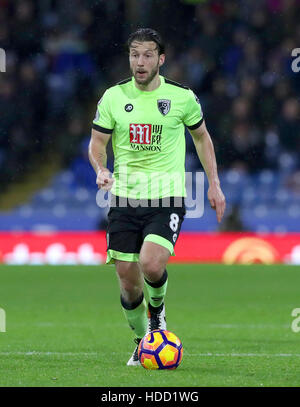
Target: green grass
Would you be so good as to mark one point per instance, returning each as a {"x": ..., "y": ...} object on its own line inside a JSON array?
[{"x": 65, "y": 327}]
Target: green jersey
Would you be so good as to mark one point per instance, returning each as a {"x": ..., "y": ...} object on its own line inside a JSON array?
[{"x": 148, "y": 136}]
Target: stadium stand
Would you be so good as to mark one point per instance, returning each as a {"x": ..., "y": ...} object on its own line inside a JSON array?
[{"x": 233, "y": 56}]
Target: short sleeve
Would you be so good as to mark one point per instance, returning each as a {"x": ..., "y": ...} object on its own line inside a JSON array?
[
  {"x": 193, "y": 117},
  {"x": 104, "y": 120}
]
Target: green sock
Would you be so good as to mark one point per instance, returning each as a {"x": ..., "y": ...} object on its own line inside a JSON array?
[
  {"x": 157, "y": 290},
  {"x": 136, "y": 315}
]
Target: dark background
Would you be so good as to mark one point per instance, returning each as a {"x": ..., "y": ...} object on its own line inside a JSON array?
[{"x": 235, "y": 55}]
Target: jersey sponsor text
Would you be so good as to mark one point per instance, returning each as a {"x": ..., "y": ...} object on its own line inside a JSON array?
[{"x": 145, "y": 137}]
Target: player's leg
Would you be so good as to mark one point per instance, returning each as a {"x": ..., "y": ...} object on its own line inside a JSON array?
[
  {"x": 153, "y": 261},
  {"x": 132, "y": 297},
  {"x": 133, "y": 302},
  {"x": 123, "y": 246},
  {"x": 160, "y": 235}
]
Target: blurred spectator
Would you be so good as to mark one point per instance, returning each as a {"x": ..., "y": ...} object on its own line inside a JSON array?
[
  {"x": 289, "y": 132},
  {"x": 25, "y": 29},
  {"x": 68, "y": 145},
  {"x": 289, "y": 125},
  {"x": 245, "y": 148},
  {"x": 293, "y": 183},
  {"x": 232, "y": 221}
]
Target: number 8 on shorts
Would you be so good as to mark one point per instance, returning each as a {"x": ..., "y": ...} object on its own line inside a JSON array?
[{"x": 174, "y": 220}]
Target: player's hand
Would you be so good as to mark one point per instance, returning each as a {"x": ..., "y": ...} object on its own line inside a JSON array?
[
  {"x": 104, "y": 179},
  {"x": 217, "y": 200}
]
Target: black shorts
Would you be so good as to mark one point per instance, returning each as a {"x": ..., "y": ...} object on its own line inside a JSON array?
[{"x": 129, "y": 226}]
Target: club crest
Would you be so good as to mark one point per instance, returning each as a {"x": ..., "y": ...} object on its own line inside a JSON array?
[{"x": 164, "y": 106}]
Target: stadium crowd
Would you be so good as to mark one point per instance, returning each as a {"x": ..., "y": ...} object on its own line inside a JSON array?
[{"x": 235, "y": 55}]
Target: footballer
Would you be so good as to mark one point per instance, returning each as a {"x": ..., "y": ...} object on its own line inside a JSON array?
[{"x": 146, "y": 115}]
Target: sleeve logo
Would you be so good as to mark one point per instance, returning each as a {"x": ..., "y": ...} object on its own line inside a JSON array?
[
  {"x": 97, "y": 115},
  {"x": 197, "y": 99}
]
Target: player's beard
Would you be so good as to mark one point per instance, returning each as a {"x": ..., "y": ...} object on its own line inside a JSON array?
[{"x": 147, "y": 80}]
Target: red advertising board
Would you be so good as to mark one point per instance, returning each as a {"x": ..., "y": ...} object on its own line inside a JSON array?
[{"x": 90, "y": 248}]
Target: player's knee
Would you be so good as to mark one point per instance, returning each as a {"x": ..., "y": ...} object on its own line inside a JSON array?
[
  {"x": 132, "y": 288},
  {"x": 127, "y": 270},
  {"x": 151, "y": 268},
  {"x": 130, "y": 283}
]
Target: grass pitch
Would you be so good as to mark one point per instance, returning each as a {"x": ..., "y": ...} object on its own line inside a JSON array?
[{"x": 65, "y": 327}]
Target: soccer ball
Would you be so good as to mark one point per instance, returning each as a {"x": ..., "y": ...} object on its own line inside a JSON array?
[{"x": 160, "y": 349}]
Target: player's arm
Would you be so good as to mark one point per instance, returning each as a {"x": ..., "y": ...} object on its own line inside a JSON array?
[
  {"x": 206, "y": 153},
  {"x": 98, "y": 158}
]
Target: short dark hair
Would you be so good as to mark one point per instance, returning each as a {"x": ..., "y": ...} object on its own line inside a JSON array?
[{"x": 147, "y": 34}]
